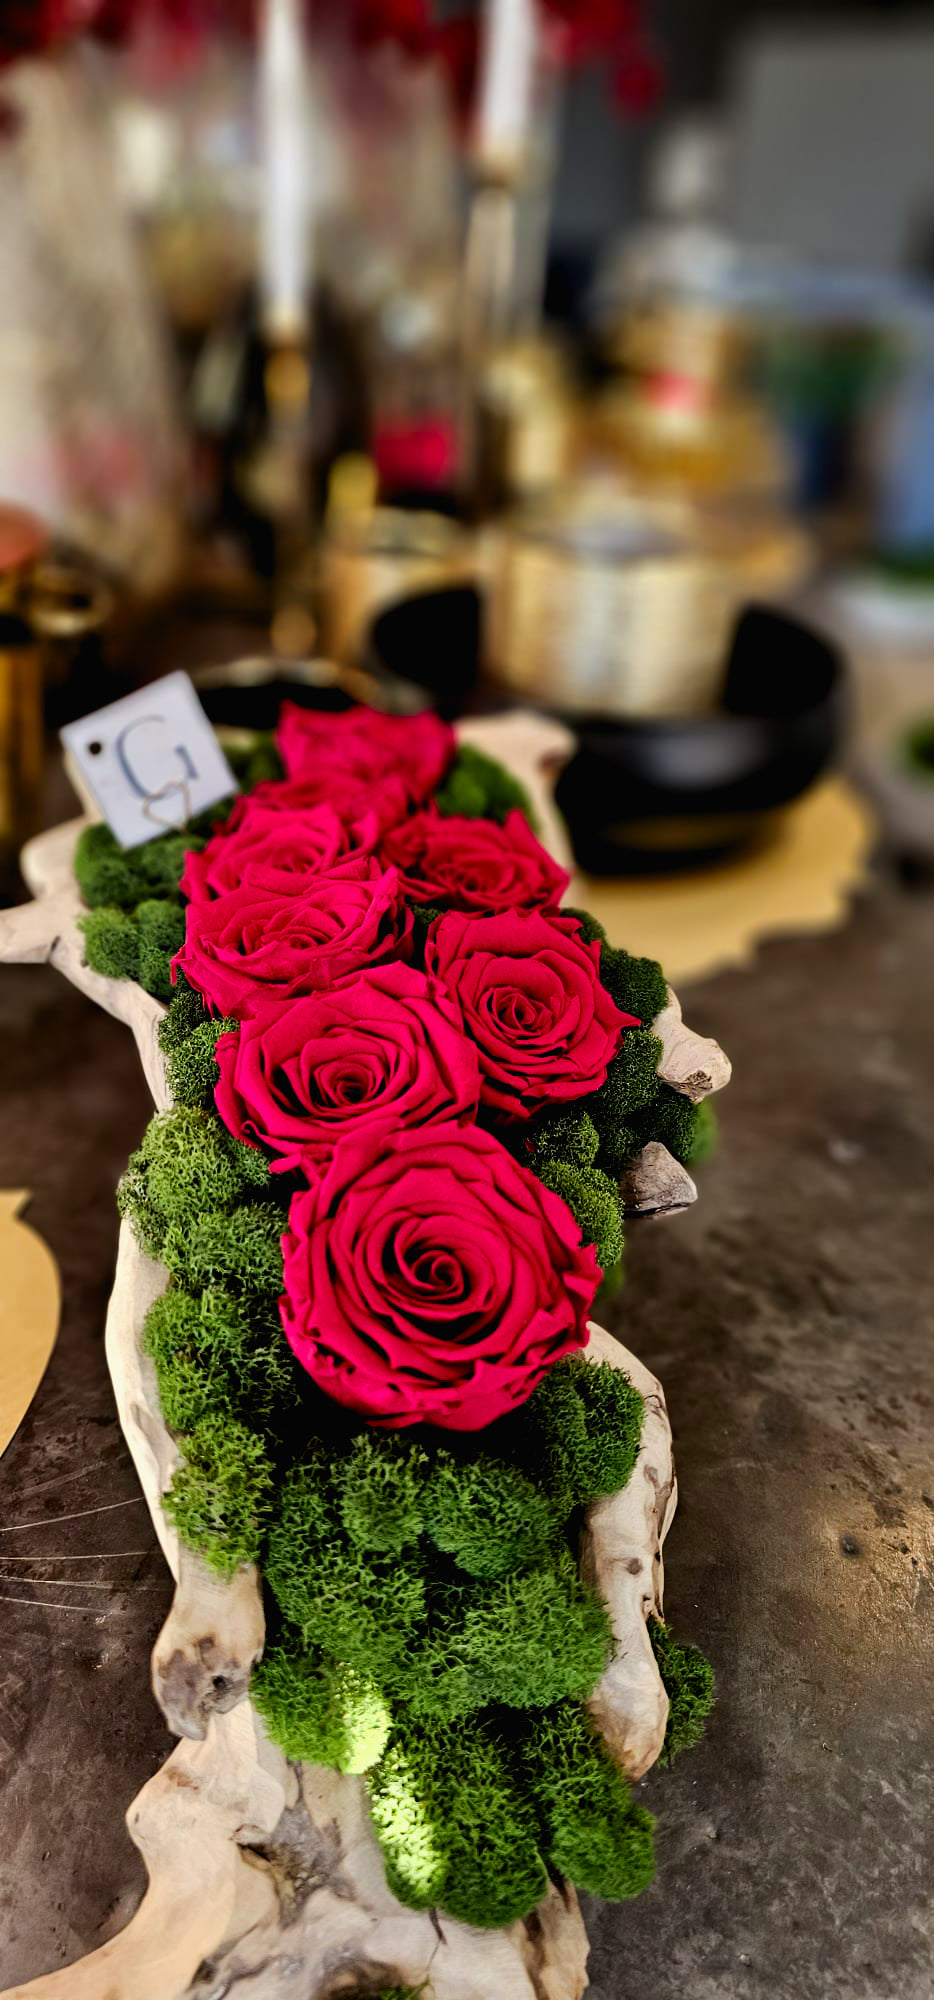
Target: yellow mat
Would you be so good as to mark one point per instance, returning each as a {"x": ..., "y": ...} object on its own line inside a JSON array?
[
  {"x": 697, "y": 923},
  {"x": 30, "y": 1305}
]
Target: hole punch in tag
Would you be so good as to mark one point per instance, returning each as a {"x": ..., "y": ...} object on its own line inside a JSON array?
[{"x": 148, "y": 762}]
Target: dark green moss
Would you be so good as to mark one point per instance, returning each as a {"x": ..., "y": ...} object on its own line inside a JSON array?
[
  {"x": 566, "y": 1136},
  {"x": 591, "y": 928},
  {"x": 221, "y": 1495},
  {"x": 358, "y": 1605},
  {"x": 241, "y": 1250},
  {"x": 211, "y": 1354},
  {"x": 631, "y": 1088},
  {"x": 111, "y": 943},
  {"x": 594, "y": 1834},
  {"x": 487, "y": 1515},
  {"x": 186, "y": 1012},
  {"x": 638, "y": 985},
  {"x": 580, "y": 1432},
  {"x": 319, "y": 1709},
  {"x": 477, "y": 787},
  {"x": 532, "y": 1638},
  {"x": 191, "y": 1068},
  {"x": 454, "y": 1828},
  {"x": 380, "y": 1487},
  {"x": 594, "y": 1200},
  {"x": 108, "y": 873},
  {"x": 135, "y": 944},
  {"x": 161, "y": 929},
  {"x": 689, "y": 1684}
]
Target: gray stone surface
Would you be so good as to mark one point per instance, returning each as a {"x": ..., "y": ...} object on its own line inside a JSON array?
[{"x": 791, "y": 1318}]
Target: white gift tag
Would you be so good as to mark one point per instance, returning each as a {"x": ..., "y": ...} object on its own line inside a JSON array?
[{"x": 150, "y": 761}]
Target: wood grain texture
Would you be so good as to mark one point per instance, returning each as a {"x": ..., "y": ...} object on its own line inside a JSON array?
[{"x": 258, "y": 1868}]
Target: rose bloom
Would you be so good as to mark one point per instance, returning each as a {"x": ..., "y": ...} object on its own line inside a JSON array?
[
  {"x": 529, "y": 993},
  {"x": 275, "y": 851},
  {"x": 431, "y": 1279},
  {"x": 381, "y": 799},
  {"x": 296, "y": 1077},
  {"x": 473, "y": 864},
  {"x": 344, "y": 757},
  {"x": 248, "y": 947}
]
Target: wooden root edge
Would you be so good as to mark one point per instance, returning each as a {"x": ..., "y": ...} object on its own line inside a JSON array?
[
  {"x": 255, "y": 1865},
  {"x": 205, "y": 1653}
]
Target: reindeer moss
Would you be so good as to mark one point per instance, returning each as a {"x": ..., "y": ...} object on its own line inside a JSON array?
[
  {"x": 319, "y": 1709},
  {"x": 359, "y": 1605},
  {"x": 191, "y": 1067},
  {"x": 689, "y": 1685},
  {"x": 536, "y": 1637},
  {"x": 241, "y": 1250},
  {"x": 187, "y": 1166},
  {"x": 222, "y": 1492},
  {"x": 569, "y": 1137},
  {"x": 380, "y": 1486},
  {"x": 487, "y": 1515},
  {"x": 477, "y": 787},
  {"x": 454, "y": 1827},
  {"x": 135, "y": 944},
  {"x": 593, "y": 1833},
  {"x": 638, "y": 985},
  {"x": 108, "y": 873},
  {"x": 185, "y": 1013},
  {"x": 210, "y": 1354},
  {"x": 579, "y": 1433},
  {"x": 594, "y": 1201}
]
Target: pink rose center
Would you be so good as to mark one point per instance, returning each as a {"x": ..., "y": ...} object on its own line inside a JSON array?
[{"x": 519, "y": 1014}]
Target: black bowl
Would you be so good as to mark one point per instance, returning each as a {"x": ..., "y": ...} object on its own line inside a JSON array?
[{"x": 662, "y": 792}]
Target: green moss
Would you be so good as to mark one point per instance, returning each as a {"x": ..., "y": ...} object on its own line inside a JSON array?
[
  {"x": 689, "y": 1684},
  {"x": 569, "y": 1136},
  {"x": 536, "y": 1637},
  {"x": 580, "y": 1432},
  {"x": 454, "y": 1828},
  {"x": 135, "y": 944},
  {"x": 319, "y": 1709},
  {"x": 253, "y": 761},
  {"x": 706, "y": 1134},
  {"x": 518, "y": 1642},
  {"x": 161, "y": 928},
  {"x": 358, "y": 1605},
  {"x": 186, "y": 1012},
  {"x": 380, "y": 1487},
  {"x": 107, "y": 873},
  {"x": 193, "y": 1164},
  {"x": 638, "y": 985},
  {"x": 591, "y": 928},
  {"x": 210, "y": 1354},
  {"x": 594, "y": 1201},
  {"x": 221, "y": 1495},
  {"x": 477, "y": 787},
  {"x": 242, "y": 1249},
  {"x": 111, "y": 943},
  {"x": 191, "y": 1068},
  {"x": 487, "y": 1515},
  {"x": 594, "y": 1834},
  {"x": 631, "y": 1087}
]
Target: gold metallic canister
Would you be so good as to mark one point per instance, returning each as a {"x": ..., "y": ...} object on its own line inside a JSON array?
[
  {"x": 615, "y": 604},
  {"x": 372, "y": 556}
]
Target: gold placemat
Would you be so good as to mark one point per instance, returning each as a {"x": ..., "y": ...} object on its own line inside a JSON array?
[
  {"x": 697, "y": 923},
  {"x": 30, "y": 1305}
]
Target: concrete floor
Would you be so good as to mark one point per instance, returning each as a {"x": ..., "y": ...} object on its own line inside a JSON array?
[{"x": 791, "y": 1318}]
